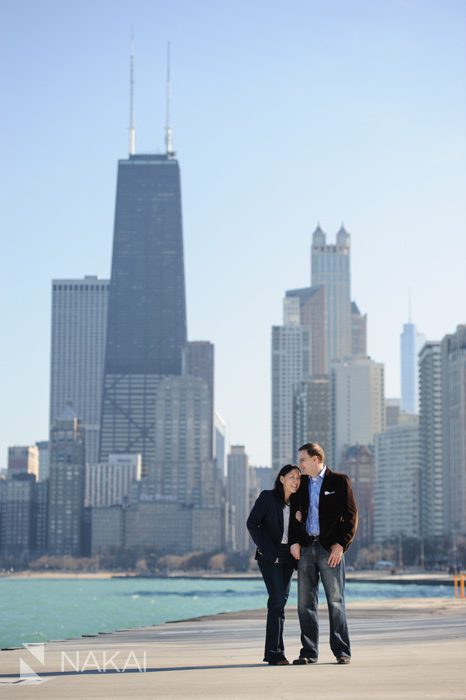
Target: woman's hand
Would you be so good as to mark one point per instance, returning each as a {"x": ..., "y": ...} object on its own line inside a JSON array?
[
  {"x": 295, "y": 550},
  {"x": 298, "y": 516}
]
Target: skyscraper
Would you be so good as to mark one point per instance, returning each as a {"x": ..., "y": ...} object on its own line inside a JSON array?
[
  {"x": 330, "y": 266},
  {"x": 220, "y": 437},
  {"x": 146, "y": 332},
  {"x": 454, "y": 429},
  {"x": 79, "y": 325},
  {"x": 238, "y": 498},
  {"x": 312, "y": 317},
  {"x": 290, "y": 365},
  {"x": 67, "y": 481},
  {"x": 358, "y": 463},
  {"x": 198, "y": 361},
  {"x": 358, "y": 403},
  {"x": 411, "y": 343},
  {"x": 397, "y": 480},
  {"x": 312, "y": 413},
  {"x": 358, "y": 331},
  {"x": 432, "y": 458}
]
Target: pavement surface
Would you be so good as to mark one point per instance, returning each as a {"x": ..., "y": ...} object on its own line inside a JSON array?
[{"x": 404, "y": 649}]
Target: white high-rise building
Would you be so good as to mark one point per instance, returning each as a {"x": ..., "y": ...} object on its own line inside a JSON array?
[
  {"x": 109, "y": 483},
  {"x": 432, "y": 458},
  {"x": 330, "y": 265},
  {"x": 411, "y": 343},
  {"x": 290, "y": 365},
  {"x": 79, "y": 323},
  {"x": 396, "y": 510},
  {"x": 358, "y": 403},
  {"x": 237, "y": 499}
]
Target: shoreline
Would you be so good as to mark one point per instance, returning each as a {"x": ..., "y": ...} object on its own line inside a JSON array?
[{"x": 367, "y": 576}]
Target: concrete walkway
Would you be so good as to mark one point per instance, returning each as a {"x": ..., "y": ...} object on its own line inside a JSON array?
[{"x": 411, "y": 649}]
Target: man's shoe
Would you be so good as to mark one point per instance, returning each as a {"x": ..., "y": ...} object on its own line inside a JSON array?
[
  {"x": 279, "y": 662},
  {"x": 343, "y": 660},
  {"x": 303, "y": 660}
]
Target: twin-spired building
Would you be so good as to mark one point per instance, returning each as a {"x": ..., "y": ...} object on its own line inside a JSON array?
[{"x": 320, "y": 367}]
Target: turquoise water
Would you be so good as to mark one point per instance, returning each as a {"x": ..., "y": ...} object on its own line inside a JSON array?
[{"x": 36, "y": 610}]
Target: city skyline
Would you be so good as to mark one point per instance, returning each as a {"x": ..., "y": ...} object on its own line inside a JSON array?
[{"x": 403, "y": 146}]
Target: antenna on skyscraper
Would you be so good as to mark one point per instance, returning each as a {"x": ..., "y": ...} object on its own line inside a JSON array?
[
  {"x": 168, "y": 129},
  {"x": 409, "y": 304},
  {"x": 132, "y": 128}
]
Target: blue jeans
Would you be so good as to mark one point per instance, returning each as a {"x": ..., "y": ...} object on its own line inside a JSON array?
[
  {"x": 277, "y": 578},
  {"x": 311, "y": 567}
]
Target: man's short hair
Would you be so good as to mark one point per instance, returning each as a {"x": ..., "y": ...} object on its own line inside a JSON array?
[{"x": 313, "y": 450}]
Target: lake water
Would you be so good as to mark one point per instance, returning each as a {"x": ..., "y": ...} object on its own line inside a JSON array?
[{"x": 37, "y": 610}]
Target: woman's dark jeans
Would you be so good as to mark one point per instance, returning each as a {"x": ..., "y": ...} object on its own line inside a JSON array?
[{"x": 277, "y": 578}]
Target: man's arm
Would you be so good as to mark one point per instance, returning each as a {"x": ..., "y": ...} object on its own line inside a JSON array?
[
  {"x": 349, "y": 523},
  {"x": 349, "y": 513}
]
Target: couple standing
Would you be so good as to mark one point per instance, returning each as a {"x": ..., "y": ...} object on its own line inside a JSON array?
[{"x": 309, "y": 519}]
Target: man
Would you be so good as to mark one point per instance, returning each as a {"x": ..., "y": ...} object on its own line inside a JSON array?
[{"x": 322, "y": 526}]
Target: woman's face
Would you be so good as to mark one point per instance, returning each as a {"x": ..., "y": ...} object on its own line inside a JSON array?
[{"x": 291, "y": 481}]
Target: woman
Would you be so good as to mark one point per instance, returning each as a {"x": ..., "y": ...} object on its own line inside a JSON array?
[{"x": 268, "y": 524}]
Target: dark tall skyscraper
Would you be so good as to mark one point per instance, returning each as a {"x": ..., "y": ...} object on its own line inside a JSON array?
[
  {"x": 146, "y": 331},
  {"x": 147, "y": 310}
]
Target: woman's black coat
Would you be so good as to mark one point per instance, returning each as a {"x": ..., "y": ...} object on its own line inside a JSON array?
[{"x": 265, "y": 524}]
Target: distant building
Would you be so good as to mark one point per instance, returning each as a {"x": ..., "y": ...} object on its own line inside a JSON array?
[
  {"x": 107, "y": 528},
  {"x": 397, "y": 463},
  {"x": 146, "y": 332},
  {"x": 23, "y": 516},
  {"x": 453, "y": 351},
  {"x": 79, "y": 327},
  {"x": 208, "y": 535},
  {"x": 41, "y": 516},
  {"x": 264, "y": 477},
  {"x": 66, "y": 485},
  {"x": 392, "y": 412},
  {"x": 178, "y": 449},
  {"x": 290, "y": 365},
  {"x": 432, "y": 458},
  {"x": 330, "y": 266},
  {"x": 170, "y": 527},
  {"x": 358, "y": 403},
  {"x": 411, "y": 343},
  {"x": 17, "y": 514},
  {"x": 312, "y": 414},
  {"x": 358, "y": 463},
  {"x": 312, "y": 318},
  {"x": 220, "y": 435},
  {"x": 198, "y": 361},
  {"x": 238, "y": 499},
  {"x": 44, "y": 459},
  {"x": 358, "y": 331},
  {"x": 109, "y": 483},
  {"x": 23, "y": 459}
]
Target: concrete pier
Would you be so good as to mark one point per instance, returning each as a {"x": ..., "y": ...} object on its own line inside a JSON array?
[{"x": 402, "y": 650}]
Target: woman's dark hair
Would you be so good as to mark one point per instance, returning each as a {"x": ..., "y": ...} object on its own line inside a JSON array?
[{"x": 278, "y": 486}]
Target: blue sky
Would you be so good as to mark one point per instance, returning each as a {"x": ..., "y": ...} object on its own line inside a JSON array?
[{"x": 284, "y": 114}]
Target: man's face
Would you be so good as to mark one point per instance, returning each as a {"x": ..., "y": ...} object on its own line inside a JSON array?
[{"x": 309, "y": 465}]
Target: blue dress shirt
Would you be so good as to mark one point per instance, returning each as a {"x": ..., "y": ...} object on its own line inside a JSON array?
[{"x": 312, "y": 521}]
